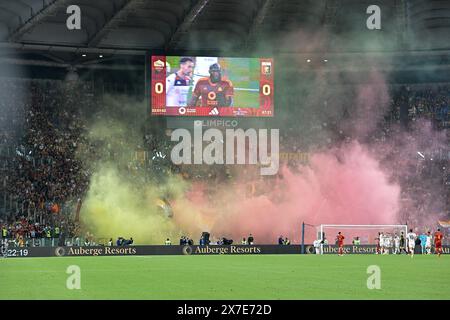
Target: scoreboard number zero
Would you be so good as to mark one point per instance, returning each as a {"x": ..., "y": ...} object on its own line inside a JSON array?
[
  {"x": 266, "y": 90},
  {"x": 159, "y": 88}
]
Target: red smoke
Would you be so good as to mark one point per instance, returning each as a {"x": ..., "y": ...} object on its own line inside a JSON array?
[
  {"x": 352, "y": 183},
  {"x": 344, "y": 186}
]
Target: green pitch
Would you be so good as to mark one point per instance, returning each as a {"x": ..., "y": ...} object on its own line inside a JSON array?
[
  {"x": 227, "y": 277},
  {"x": 246, "y": 99}
]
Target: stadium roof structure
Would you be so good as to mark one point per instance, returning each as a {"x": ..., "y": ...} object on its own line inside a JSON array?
[
  {"x": 131, "y": 27},
  {"x": 214, "y": 24}
]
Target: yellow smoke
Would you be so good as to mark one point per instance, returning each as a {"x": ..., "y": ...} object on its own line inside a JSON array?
[
  {"x": 124, "y": 202},
  {"x": 114, "y": 207}
]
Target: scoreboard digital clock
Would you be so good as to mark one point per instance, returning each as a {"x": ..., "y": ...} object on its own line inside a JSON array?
[{"x": 17, "y": 253}]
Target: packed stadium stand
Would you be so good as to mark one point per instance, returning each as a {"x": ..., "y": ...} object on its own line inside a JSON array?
[{"x": 54, "y": 81}]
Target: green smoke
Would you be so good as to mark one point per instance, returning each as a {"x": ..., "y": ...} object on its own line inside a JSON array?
[{"x": 124, "y": 199}]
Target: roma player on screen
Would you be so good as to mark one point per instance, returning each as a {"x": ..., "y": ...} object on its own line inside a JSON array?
[
  {"x": 340, "y": 241},
  {"x": 438, "y": 236},
  {"x": 213, "y": 91}
]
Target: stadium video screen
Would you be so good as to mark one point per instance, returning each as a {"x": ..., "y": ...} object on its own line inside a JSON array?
[{"x": 212, "y": 86}]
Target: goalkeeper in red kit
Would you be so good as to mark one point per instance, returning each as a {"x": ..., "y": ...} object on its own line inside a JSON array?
[
  {"x": 438, "y": 236},
  {"x": 340, "y": 241}
]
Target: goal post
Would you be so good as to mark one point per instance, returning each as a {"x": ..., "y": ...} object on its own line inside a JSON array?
[{"x": 368, "y": 231}]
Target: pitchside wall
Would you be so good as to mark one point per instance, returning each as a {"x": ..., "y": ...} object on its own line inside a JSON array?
[{"x": 185, "y": 250}]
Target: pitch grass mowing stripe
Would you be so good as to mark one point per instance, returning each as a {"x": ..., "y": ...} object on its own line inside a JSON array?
[{"x": 227, "y": 277}]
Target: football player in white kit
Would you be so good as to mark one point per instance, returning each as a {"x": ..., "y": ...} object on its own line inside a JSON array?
[
  {"x": 396, "y": 244},
  {"x": 318, "y": 246},
  {"x": 411, "y": 239},
  {"x": 179, "y": 83},
  {"x": 382, "y": 242},
  {"x": 4, "y": 247},
  {"x": 387, "y": 243},
  {"x": 428, "y": 242}
]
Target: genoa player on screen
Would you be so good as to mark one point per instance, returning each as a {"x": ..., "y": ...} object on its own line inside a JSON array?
[
  {"x": 340, "y": 241},
  {"x": 178, "y": 84},
  {"x": 438, "y": 236},
  {"x": 213, "y": 91}
]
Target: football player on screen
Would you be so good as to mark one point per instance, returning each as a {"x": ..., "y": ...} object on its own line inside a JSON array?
[
  {"x": 213, "y": 91},
  {"x": 178, "y": 84}
]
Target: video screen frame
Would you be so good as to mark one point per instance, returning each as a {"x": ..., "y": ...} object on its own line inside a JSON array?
[{"x": 199, "y": 85}]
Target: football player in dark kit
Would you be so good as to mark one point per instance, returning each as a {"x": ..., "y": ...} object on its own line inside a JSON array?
[
  {"x": 213, "y": 91},
  {"x": 402, "y": 242}
]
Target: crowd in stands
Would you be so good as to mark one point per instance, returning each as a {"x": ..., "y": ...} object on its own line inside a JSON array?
[
  {"x": 432, "y": 103},
  {"x": 45, "y": 128},
  {"x": 42, "y": 176},
  {"x": 24, "y": 232},
  {"x": 412, "y": 103}
]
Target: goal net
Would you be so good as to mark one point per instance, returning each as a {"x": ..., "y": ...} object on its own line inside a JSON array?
[{"x": 364, "y": 234}]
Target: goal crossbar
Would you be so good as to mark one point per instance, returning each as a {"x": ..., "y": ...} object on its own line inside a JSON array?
[{"x": 361, "y": 226}]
